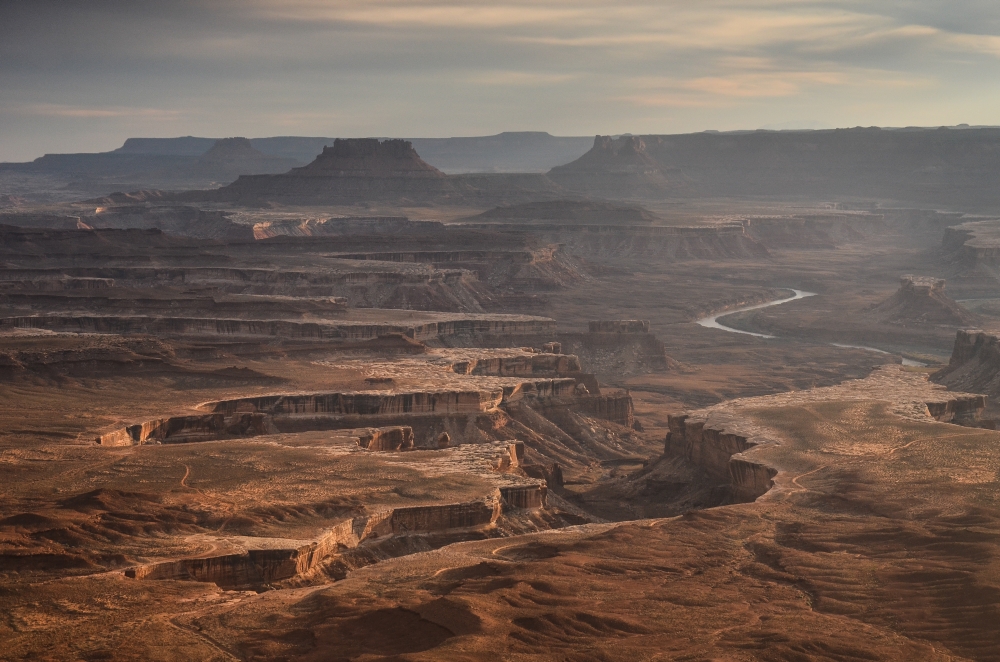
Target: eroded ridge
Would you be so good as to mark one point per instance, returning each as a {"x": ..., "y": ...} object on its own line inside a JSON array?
[
  {"x": 878, "y": 538},
  {"x": 255, "y": 561},
  {"x": 721, "y": 439},
  {"x": 487, "y": 433}
]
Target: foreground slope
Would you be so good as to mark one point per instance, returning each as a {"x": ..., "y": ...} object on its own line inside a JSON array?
[{"x": 878, "y": 540}]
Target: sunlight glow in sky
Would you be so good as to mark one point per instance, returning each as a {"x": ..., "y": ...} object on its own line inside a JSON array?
[{"x": 83, "y": 76}]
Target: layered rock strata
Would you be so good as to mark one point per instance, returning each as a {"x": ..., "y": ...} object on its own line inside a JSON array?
[
  {"x": 493, "y": 325},
  {"x": 719, "y": 441},
  {"x": 974, "y": 365},
  {"x": 248, "y": 417},
  {"x": 724, "y": 240},
  {"x": 261, "y": 561},
  {"x": 922, "y": 300}
]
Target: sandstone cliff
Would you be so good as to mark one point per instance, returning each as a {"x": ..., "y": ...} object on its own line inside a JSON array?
[
  {"x": 614, "y": 167},
  {"x": 720, "y": 440},
  {"x": 921, "y": 300},
  {"x": 351, "y": 170},
  {"x": 974, "y": 366}
]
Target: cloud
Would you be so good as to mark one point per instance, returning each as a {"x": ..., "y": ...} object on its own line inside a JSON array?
[
  {"x": 519, "y": 78},
  {"x": 84, "y": 112},
  {"x": 443, "y": 67}
]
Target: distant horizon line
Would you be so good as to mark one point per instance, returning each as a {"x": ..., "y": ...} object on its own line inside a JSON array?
[{"x": 767, "y": 129}]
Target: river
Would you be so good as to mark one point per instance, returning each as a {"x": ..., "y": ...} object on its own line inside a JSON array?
[{"x": 712, "y": 322}]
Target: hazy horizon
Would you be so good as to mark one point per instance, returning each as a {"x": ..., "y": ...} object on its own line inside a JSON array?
[{"x": 83, "y": 79}]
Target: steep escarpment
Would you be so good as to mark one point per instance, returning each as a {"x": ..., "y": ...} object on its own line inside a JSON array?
[
  {"x": 423, "y": 410},
  {"x": 348, "y": 171},
  {"x": 922, "y": 300},
  {"x": 180, "y": 220},
  {"x": 602, "y": 242},
  {"x": 144, "y": 164},
  {"x": 974, "y": 366},
  {"x": 371, "y": 537},
  {"x": 542, "y": 268},
  {"x": 815, "y": 230},
  {"x": 364, "y": 170},
  {"x": 444, "y": 327},
  {"x": 946, "y": 166},
  {"x": 972, "y": 252},
  {"x": 720, "y": 441},
  {"x": 619, "y": 167}
]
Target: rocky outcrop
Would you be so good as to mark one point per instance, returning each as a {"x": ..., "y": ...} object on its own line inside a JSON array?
[
  {"x": 544, "y": 268},
  {"x": 395, "y": 438},
  {"x": 248, "y": 417},
  {"x": 376, "y": 403},
  {"x": 922, "y": 300},
  {"x": 524, "y": 497},
  {"x": 348, "y": 171},
  {"x": 347, "y": 225},
  {"x": 187, "y": 429},
  {"x": 614, "y": 167},
  {"x": 267, "y": 560},
  {"x": 521, "y": 365},
  {"x": 719, "y": 452},
  {"x": 974, "y": 365},
  {"x": 29, "y": 219},
  {"x": 264, "y": 561},
  {"x": 615, "y": 407},
  {"x": 368, "y": 158}
]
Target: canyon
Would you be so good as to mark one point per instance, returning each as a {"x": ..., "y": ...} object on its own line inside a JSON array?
[{"x": 654, "y": 402}]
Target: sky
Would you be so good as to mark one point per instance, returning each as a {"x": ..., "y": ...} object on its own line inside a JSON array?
[{"x": 83, "y": 75}]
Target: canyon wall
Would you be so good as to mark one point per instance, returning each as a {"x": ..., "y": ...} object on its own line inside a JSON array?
[
  {"x": 126, "y": 325},
  {"x": 712, "y": 439},
  {"x": 268, "y": 561},
  {"x": 974, "y": 366}
]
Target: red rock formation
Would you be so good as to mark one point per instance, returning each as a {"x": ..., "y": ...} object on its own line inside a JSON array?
[
  {"x": 923, "y": 301},
  {"x": 275, "y": 562},
  {"x": 520, "y": 366},
  {"x": 395, "y": 438},
  {"x": 282, "y": 328},
  {"x": 974, "y": 365},
  {"x": 709, "y": 440},
  {"x": 524, "y": 497},
  {"x": 615, "y": 407}
]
